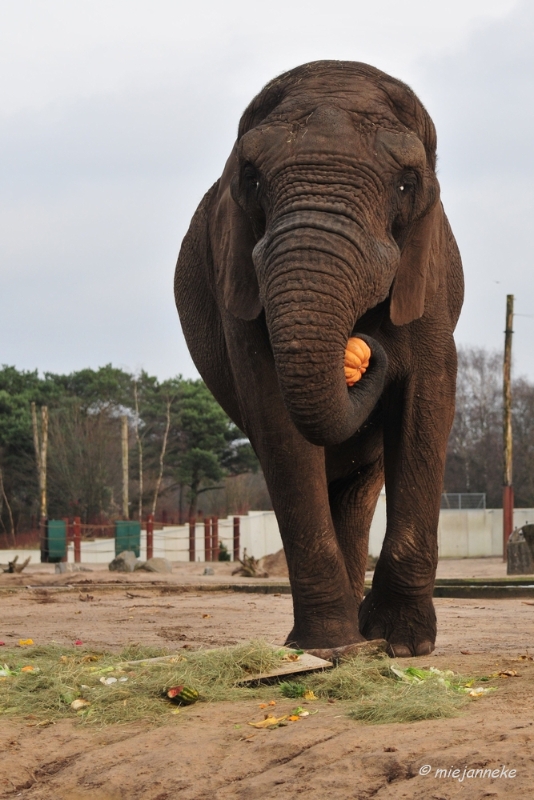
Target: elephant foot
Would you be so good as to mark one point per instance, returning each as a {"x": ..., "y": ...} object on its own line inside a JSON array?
[
  {"x": 325, "y": 637},
  {"x": 348, "y": 651},
  {"x": 409, "y": 626}
]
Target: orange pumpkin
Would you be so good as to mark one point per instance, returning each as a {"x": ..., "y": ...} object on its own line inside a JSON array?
[{"x": 357, "y": 355}]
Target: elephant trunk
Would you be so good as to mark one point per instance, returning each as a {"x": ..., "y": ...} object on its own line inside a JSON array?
[{"x": 312, "y": 301}]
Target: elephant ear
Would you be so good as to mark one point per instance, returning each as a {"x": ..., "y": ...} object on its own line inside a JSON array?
[
  {"x": 232, "y": 242},
  {"x": 417, "y": 276}
]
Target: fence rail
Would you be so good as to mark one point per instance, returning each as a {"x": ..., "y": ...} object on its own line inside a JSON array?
[
  {"x": 202, "y": 539},
  {"x": 463, "y": 501}
]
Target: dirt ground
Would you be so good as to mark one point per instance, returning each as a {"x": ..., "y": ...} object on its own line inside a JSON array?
[{"x": 208, "y": 751}]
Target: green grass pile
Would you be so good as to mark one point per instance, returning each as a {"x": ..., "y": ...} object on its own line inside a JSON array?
[
  {"x": 384, "y": 693},
  {"x": 62, "y": 675},
  {"x": 401, "y": 702}
]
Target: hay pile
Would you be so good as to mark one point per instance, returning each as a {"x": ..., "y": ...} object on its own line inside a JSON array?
[
  {"x": 382, "y": 691},
  {"x": 42, "y": 683}
]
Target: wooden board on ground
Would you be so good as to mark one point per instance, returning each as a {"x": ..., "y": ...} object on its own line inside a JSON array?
[{"x": 304, "y": 662}]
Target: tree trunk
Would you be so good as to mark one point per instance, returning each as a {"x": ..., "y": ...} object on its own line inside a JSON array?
[
  {"x": 162, "y": 456},
  {"x": 41, "y": 447},
  {"x": 193, "y": 499},
  {"x": 6, "y": 501},
  {"x": 124, "y": 441}
]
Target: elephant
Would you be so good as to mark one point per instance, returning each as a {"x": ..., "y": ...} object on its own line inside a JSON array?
[{"x": 327, "y": 224}]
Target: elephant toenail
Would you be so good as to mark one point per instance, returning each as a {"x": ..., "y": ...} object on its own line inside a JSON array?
[
  {"x": 424, "y": 649},
  {"x": 399, "y": 651}
]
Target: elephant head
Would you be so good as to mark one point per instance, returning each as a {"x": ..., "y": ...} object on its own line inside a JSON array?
[{"x": 328, "y": 206}]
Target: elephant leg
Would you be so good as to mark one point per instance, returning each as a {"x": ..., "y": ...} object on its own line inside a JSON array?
[
  {"x": 353, "y": 502},
  {"x": 325, "y": 608},
  {"x": 399, "y": 607},
  {"x": 324, "y": 603}
]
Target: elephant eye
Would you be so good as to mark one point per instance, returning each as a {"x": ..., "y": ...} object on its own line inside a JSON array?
[
  {"x": 252, "y": 179},
  {"x": 407, "y": 184}
]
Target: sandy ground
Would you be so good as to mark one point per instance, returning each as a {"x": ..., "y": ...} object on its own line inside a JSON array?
[
  {"x": 209, "y": 751},
  {"x": 193, "y": 573}
]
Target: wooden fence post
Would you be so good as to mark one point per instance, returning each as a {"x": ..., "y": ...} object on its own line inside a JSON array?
[
  {"x": 236, "y": 538},
  {"x": 66, "y": 556},
  {"x": 192, "y": 531},
  {"x": 207, "y": 539},
  {"x": 214, "y": 538},
  {"x": 77, "y": 539},
  {"x": 150, "y": 536}
]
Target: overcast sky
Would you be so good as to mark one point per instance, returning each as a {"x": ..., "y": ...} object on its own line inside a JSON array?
[{"x": 116, "y": 116}]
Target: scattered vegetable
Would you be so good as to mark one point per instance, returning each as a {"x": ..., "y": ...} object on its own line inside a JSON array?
[
  {"x": 268, "y": 722},
  {"x": 78, "y": 704},
  {"x": 183, "y": 694}
]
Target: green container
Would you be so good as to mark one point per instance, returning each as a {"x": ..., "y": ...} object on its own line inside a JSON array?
[
  {"x": 127, "y": 537},
  {"x": 54, "y": 546}
]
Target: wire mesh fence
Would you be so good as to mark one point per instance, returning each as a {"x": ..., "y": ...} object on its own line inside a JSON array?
[
  {"x": 461, "y": 501},
  {"x": 207, "y": 539}
]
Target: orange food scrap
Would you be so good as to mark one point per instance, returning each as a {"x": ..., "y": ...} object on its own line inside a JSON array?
[
  {"x": 268, "y": 721},
  {"x": 357, "y": 355}
]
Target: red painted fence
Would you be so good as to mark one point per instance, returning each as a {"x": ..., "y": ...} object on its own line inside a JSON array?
[{"x": 77, "y": 532}]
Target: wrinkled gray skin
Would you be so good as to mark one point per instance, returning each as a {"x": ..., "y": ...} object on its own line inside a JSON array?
[{"x": 327, "y": 223}]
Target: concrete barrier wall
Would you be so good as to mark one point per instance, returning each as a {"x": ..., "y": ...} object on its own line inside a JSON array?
[{"x": 474, "y": 533}]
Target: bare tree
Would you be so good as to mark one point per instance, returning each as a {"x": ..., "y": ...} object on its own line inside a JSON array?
[
  {"x": 523, "y": 430},
  {"x": 6, "y": 501},
  {"x": 85, "y": 476},
  {"x": 162, "y": 453},
  {"x": 125, "y": 467},
  {"x": 474, "y": 452}
]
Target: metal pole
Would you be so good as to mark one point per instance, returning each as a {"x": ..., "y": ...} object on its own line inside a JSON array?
[
  {"x": 124, "y": 442},
  {"x": 508, "y": 492}
]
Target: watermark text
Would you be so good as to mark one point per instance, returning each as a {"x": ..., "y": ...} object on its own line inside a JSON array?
[{"x": 461, "y": 774}]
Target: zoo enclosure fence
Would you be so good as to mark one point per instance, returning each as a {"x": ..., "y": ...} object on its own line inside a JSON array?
[
  {"x": 199, "y": 540},
  {"x": 462, "y": 500}
]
